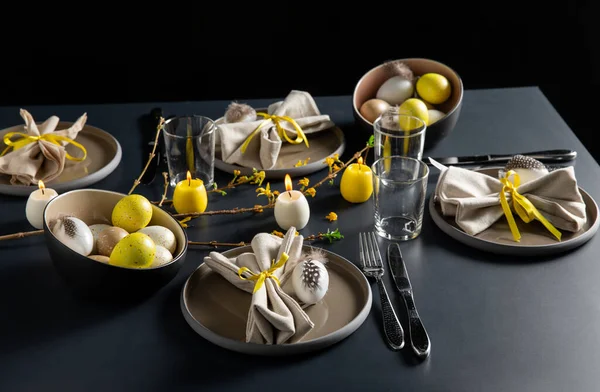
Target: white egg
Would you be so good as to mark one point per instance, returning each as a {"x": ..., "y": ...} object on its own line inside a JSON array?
[
  {"x": 526, "y": 175},
  {"x": 161, "y": 257},
  {"x": 310, "y": 281},
  {"x": 435, "y": 115},
  {"x": 395, "y": 90},
  {"x": 96, "y": 229},
  {"x": 161, "y": 236},
  {"x": 75, "y": 234}
]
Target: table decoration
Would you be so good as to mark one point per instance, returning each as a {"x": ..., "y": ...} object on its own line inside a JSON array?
[
  {"x": 291, "y": 208},
  {"x": 356, "y": 185},
  {"x": 190, "y": 195},
  {"x": 34, "y": 209},
  {"x": 39, "y": 153}
]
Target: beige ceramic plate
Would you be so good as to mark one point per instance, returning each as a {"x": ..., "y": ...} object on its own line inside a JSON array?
[
  {"x": 218, "y": 311},
  {"x": 535, "y": 239},
  {"x": 104, "y": 155},
  {"x": 322, "y": 145}
]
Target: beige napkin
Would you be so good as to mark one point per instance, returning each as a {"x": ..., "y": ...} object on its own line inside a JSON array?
[
  {"x": 40, "y": 160},
  {"x": 263, "y": 151},
  {"x": 274, "y": 316},
  {"x": 474, "y": 198}
]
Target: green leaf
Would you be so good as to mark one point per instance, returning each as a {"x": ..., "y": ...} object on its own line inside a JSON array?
[
  {"x": 371, "y": 141},
  {"x": 215, "y": 185},
  {"x": 223, "y": 193},
  {"x": 333, "y": 235}
]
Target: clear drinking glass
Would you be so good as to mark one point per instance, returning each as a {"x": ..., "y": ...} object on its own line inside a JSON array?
[
  {"x": 399, "y": 190},
  {"x": 190, "y": 146},
  {"x": 399, "y": 134}
]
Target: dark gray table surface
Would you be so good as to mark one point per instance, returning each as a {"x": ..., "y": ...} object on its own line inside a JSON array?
[{"x": 496, "y": 323}]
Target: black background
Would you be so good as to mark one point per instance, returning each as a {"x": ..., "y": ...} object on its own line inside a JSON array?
[{"x": 127, "y": 52}]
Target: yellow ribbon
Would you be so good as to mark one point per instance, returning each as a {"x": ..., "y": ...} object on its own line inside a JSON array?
[
  {"x": 260, "y": 278},
  {"x": 524, "y": 208},
  {"x": 301, "y": 137},
  {"x": 26, "y": 139}
]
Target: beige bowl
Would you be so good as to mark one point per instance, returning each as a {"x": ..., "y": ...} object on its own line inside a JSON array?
[
  {"x": 97, "y": 279},
  {"x": 367, "y": 87}
]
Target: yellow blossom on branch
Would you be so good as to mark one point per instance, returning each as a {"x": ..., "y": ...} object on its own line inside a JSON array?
[
  {"x": 311, "y": 192},
  {"x": 302, "y": 163},
  {"x": 277, "y": 233},
  {"x": 258, "y": 208},
  {"x": 332, "y": 216},
  {"x": 304, "y": 183}
]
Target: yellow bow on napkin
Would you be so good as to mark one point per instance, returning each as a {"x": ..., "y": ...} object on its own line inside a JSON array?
[
  {"x": 522, "y": 206},
  {"x": 301, "y": 137},
  {"x": 260, "y": 278},
  {"x": 49, "y": 137}
]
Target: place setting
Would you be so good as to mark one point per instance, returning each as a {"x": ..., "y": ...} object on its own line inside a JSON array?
[{"x": 282, "y": 291}]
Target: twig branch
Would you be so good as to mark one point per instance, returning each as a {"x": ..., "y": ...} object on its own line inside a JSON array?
[
  {"x": 150, "y": 157},
  {"x": 21, "y": 235},
  {"x": 164, "y": 196},
  {"x": 332, "y": 175},
  {"x": 257, "y": 208},
  {"x": 216, "y": 244}
]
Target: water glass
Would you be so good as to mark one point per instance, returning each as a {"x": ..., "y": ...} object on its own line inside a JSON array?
[
  {"x": 399, "y": 190},
  {"x": 190, "y": 146},
  {"x": 399, "y": 134}
]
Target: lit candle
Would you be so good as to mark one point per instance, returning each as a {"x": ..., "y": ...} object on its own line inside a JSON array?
[
  {"x": 34, "y": 210},
  {"x": 356, "y": 184},
  {"x": 291, "y": 207},
  {"x": 190, "y": 196}
]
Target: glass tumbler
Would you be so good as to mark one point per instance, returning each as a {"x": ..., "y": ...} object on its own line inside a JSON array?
[
  {"x": 190, "y": 146},
  {"x": 398, "y": 134},
  {"x": 399, "y": 190}
]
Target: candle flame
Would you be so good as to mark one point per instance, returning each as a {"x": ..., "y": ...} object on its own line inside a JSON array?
[
  {"x": 360, "y": 160},
  {"x": 288, "y": 182},
  {"x": 41, "y": 185},
  {"x": 189, "y": 176}
]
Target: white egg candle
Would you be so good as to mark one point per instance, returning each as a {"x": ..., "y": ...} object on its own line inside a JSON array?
[
  {"x": 34, "y": 209},
  {"x": 291, "y": 208}
]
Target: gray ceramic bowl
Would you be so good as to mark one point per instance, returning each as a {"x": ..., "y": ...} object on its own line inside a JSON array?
[
  {"x": 367, "y": 87},
  {"x": 95, "y": 279}
]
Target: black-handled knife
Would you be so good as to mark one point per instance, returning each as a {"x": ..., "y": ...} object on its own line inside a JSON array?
[
  {"x": 419, "y": 339},
  {"x": 548, "y": 156}
]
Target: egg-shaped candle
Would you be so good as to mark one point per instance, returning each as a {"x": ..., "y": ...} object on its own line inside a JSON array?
[
  {"x": 291, "y": 208},
  {"x": 190, "y": 196},
  {"x": 356, "y": 185}
]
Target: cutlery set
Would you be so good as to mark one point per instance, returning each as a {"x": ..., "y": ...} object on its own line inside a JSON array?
[{"x": 372, "y": 266}]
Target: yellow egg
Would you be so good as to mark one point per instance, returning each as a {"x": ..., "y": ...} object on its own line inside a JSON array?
[
  {"x": 132, "y": 213},
  {"x": 137, "y": 250},
  {"x": 434, "y": 88},
  {"x": 416, "y": 108}
]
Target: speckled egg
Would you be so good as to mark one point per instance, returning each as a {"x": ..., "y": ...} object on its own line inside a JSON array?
[
  {"x": 74, "y": 233},
  {"x": 108, "y": 239},
  {"x": 132, "y": 213},
  {"x": 310, "y": 280},
  {"x": 162, "y": 256},
  {"x": 100, "y": 258},
  {"x": 136, "y": 250},
  {"x": 161, "y": 236},
  {"x": 96, "y": 229}
]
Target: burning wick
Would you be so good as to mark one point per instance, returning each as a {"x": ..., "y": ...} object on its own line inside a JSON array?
[
  {"x": 288, "y": 184},
  {"x": 189, "y": 178},
  {"x": 42, "y": 186}
]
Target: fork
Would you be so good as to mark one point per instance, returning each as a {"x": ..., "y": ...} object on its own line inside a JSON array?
[{"x": 372, "y": 267}]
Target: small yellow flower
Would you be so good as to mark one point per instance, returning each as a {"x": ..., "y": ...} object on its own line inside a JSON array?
[
  {"x": 311, "y": 191},
  {"x": 329, "y": 161},
  {"x": 336, "y": 168},
  {"x": 304, "y": 182},
  {"x": 259, "y": 177},
  {"x": 277, "y": 233},
  {"x": 275, "y": 193},
  {"x": 236, "y": 173},
  {"x": 332, "y": 216},
  {"x": 243, "y": 178},
  {"x": 336, "y": 157},
  {"x": 184, "y": 220},
  {"x": 266, "y": 191}
]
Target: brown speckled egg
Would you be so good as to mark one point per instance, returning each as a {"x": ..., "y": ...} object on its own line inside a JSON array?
[
  {"x": 96, "y": 229},
  {"x": 162, "y": 257},
  {"x": 100, "y": 258},
  {"x": 108, "y": 239}
]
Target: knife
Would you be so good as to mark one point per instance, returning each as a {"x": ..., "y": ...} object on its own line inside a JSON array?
[
  {"x": 419, "y": 339},
  {"x": 548, "y": 156}
]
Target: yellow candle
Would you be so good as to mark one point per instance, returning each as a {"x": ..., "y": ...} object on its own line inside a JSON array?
[
  {"x": 356, "y": 185},
  {"x": 190, "y": 196}
]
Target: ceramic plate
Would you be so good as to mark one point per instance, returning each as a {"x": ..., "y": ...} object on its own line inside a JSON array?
[
  {"x": 218, "y": 311},
  {"x": 104, "y": 155},
  {"x": 535, "y": 239},
  {"x": 322, "y": 145}
]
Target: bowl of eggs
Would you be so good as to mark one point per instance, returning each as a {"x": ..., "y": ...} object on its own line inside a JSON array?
[
  {"x": 419, "y": 87},
  {"x": 111, "y": 245}
]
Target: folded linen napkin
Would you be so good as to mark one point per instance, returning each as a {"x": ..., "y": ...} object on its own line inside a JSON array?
[
  {"x": 42, "y": 159},
  {"x": 265, "y": 145},
  {"x": 274, "y": 316},
  {"x": 473, "y": 198}
]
